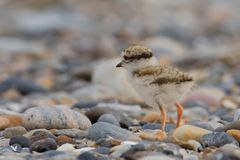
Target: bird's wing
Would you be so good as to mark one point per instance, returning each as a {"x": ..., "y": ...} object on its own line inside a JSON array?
[{"x": 163, "y": 74}]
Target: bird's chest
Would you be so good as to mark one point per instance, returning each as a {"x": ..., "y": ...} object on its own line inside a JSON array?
[{"x": 144, "y": 88}]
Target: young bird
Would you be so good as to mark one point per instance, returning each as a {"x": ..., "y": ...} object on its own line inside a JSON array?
[{"x": 159, "y": 86}]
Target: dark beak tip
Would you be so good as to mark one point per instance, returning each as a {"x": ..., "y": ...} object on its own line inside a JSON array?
[{"x": 119, "y": 65}]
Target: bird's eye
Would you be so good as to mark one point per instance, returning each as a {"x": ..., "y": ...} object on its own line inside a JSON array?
[{"x": 125, "y": 57}]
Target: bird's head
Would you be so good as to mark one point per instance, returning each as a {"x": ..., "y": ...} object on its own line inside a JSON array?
[{"x": 136, "y": 57}]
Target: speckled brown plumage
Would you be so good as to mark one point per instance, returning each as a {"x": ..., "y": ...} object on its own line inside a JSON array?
[
  {"x": 163, "y": 74},
  {"x": 137, "y": 52}
]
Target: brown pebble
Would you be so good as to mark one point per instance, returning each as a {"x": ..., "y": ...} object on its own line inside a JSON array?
[
  {"x": 152, "y": 117},
  {"x": 63, "y": 139},
  {"x": 235, "y": 133},
  {"x": 7, "y": 121},
  {"x": 153, "y": 135}
]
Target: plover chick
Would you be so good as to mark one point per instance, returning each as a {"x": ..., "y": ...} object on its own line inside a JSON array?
[{"x": 160, "y": 86}]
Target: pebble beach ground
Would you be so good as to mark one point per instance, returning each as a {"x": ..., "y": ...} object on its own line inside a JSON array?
[{"x": 61, "y": 97}]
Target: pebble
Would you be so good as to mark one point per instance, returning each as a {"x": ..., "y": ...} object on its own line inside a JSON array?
[
  {"x": 94, "y": 113},
  {"x": 7, "y": 121},
  {"x": 54, "y": 117},
  {"x": 232, "y": 125},
  {"x": 63, "y": 139},
  {"x": 134, "y": 110},
  {"x": 102, "y": 150},
  {"x": 184, "y": 133},
  {"x": 157, "y": 157},
  {"x": 203, "y": 124},
  {"x": 21, "y": 140},
  {"x": 66, "y": 147},
  {"x": 169, "y": 149},
  {"x": 44, "y": 145},
  {"x": 94, "y": 92},
  {"x": 22, "y": 85},
  {"x": 108, "y": 118},
  {"x": 85, "y": 104},
  {"x": 13, "y": 131},
  {"x": 57, "y": 155},
  {"x": 210, "y": 96},
  {"x": 235, "y": 133},
  {"x": 236, "y": 115},
  {"x": 197, "y": 113},
  {"x": 102, "y": 130},
  {"x": 16, "y": 148},
  {"x": 153, "y": 126},
  {"x": 119, "y": 151},
  {"x": 152, "y": 135},
  {"x": 217, "y": 139},
  {"x": 73, "y": 133},
  {"x": 40, "y": 134},
  {"x": 108, "y": 142},
  {"x": 92, "y": 156}
]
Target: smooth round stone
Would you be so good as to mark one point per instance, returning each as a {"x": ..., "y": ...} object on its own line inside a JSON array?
[
  {"x": 66, "y": 147},
  {"x": 153, "y": 126},
  {"x": 21, "y": 140},
  {"x": 58, "y": 155},
  {"x": 87, "y": 104},
  {"x": 54, "y": 117},
  {"x": 73, "y": 133},
  {"x": 194, "y": 103},
  {"x": 7, "y": 121},
  {"x": 235, "y": 133},
  {"x": 183, "y": 134},
  {"x": 94, "y": 113},
  {"x": 102, "y": 130},
  {"x": 202, "y": 124},
  {"x": 108, "y": 118},
  {"x": 232, "y": 125},
  {"x": 63, "y": 139},
  {"x": 217, "y": 139},
  {"x": 157, "y": 157},
  {"x": 14, "y": 131},
  {"x": 196, "y": 113},
  {"x": 44, "y": 145},
  {"x": 236, "y": 115},
  {"x": 169, "y": 148},
  {"x": 108, "y": 142},
  {"x": 16, "y": 148},
  {"x": 40, "y": 134},
  {"x": 102, "y": 150},
  {"x": 5, "y": 149},
  {"x": 22, "y": 85},
  {"x": 92, "y": 156}
]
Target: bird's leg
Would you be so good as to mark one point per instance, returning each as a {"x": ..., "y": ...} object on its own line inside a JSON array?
[
  {"x": 179, "y": 113},
  {"x": 164, "y": 117}
]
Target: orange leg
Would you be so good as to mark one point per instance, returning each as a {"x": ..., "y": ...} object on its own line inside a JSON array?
[
  {"x": 179, "y": 113},
  {"x": 164, "y": 117}
]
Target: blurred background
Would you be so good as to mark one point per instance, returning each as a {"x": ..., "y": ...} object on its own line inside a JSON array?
[{"x": 59, "y": 46}]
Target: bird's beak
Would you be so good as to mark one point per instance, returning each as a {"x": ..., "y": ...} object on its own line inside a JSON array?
[{"x": 119, "y": 64}]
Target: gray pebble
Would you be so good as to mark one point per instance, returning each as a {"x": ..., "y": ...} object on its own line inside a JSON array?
[
  {"x": 13, "y": 131},
  {"x": 55, "y": 117},
  {"x": 168, "y": 127},
  {"x": 109, "y": 118},
  {"x": 236, "y": 115},
  {"x": 232, "y": 125},
  {"x": 73, "y": 133},
  {"x": 21, "y": 140},
  {"x": 44, "y": 145},
  {"x": 217, "y": 139},
  {"x": 103, "y": 130}
]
